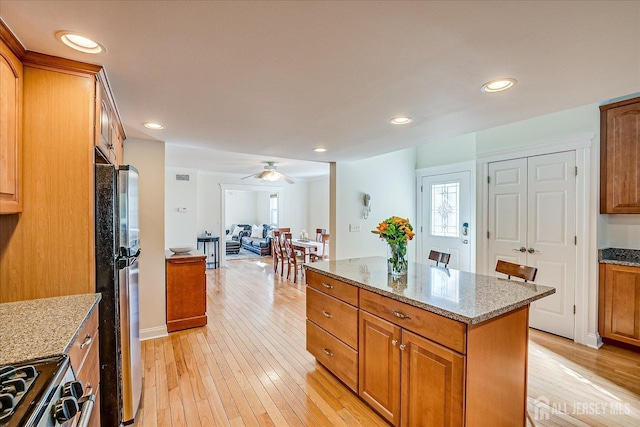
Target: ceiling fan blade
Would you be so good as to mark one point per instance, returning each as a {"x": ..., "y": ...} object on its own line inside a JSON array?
[
  {"x": 249, "y": 176},
  {"x": 285, "y": 178},
  {"x": 262, "y": 174}
]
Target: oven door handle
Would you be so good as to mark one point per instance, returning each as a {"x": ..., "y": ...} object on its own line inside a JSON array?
[{"x": 87, "y": 403}]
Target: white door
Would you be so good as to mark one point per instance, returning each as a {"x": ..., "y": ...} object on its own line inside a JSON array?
[
  {"x": 532, "y": 221},
  {"x": 446, "y": 215}
]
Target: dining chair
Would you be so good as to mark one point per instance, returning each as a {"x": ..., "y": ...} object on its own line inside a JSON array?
[
  {"x": 275, "y": 250},
  {"x": 282, "y": 253},
  {"x": 522, "y": 271},
  {"x": 439, "y": 257},
  {"x": 293, "y": 258},
  {"x": 319, "y": 233},
  {"x": 284, "y": 229},
  {"x": 324, "y": 254}
]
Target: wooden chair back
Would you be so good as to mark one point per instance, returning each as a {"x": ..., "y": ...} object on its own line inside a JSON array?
[
  {"x": 439, "y": 257},
  {"x": 283, "y": 229},
  {"x": 522, "y": 271},
  {"x": 319, "y": 233},
  {"x": 324, "y": 253}
]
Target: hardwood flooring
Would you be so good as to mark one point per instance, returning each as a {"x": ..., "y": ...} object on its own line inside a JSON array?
[{"x": 249, "y": 366}]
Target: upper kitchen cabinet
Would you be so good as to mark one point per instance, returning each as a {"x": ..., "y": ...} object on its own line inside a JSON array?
[
  {"x": 11, "y": 80},
  {"x": 109, "y": 132},
  {"x": 620, "y": 157}
]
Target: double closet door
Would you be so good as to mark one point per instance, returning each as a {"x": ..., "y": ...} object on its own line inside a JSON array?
[{"x": 532, "y": 221}]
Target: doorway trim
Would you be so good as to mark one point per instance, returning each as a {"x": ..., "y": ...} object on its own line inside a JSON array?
[
  {"x": 223, "y": 203},
  {"x": 469, "y": 166},
  {"x": 585, "y": 330}
]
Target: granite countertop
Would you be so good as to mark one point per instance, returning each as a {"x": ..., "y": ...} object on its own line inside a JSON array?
[
  {"x": 193, "y": 254},
  {"x": 466, "y": 297},
  {"x": 630, "y": 257},
  {"x": 42, "y": 327}
]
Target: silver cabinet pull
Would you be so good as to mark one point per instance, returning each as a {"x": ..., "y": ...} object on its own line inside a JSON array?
[
  {"x": 87, "y": 409},
  {"x": 327, "y": 352},
  {"x": 86, "y": 342},
  {"x": 531, "y": 251},
  {"x": 327, "y": 315},
  {"x": 522, "y": 249},
  {"x": 400, "y": 315},
  {"x": 327, "y": 286},
  {"x": 394, "y": 342},
  {"x": 403, "y": 346}
]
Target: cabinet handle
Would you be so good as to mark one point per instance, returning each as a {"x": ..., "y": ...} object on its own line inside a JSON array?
[
  {"x": 394, "y": 342},
  {"x": 88, "y": 388},
  {"x": 86, "y": 342},
  {"x": 327, "y": 352},
  {"x": 327, "y": 315},
  {"x": 327, "y": 286},
  {"x": 400, "y": 315},
  {"x": 403, "y": 346}
]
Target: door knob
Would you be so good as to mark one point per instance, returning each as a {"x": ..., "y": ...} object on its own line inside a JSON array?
[
  {"x": 531, "y": 250},
  {"x": 522, "y": 249}
]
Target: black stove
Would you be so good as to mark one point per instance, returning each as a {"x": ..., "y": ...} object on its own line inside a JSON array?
[{"x": 27, "y": 390}]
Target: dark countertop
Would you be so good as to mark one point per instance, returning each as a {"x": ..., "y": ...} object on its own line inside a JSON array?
[
  {"x": 466, "y": 297},
  {"x": 45, "y": 327},
  {"x": 629, "y": 257}
]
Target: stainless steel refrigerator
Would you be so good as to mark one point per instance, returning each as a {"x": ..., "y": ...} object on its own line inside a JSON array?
[{"x": 117, "y": 251}]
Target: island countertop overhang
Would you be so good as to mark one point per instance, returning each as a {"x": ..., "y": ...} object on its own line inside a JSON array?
[{"x": 465, "y": 297}]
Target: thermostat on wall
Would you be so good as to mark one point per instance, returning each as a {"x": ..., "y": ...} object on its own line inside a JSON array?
[{"x": 182, "y": 210}]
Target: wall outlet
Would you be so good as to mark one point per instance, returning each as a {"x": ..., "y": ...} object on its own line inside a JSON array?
[{"x": 354, "y": 228}]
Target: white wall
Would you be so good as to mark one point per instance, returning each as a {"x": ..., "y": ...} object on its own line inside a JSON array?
[
  {"x": 181, "y": 227},
  {"x": 263, "y": 207},
  {"x": 452, "y": 150},
  {"x": 241, "y": 207},
  {"x": 390, "y": 180},
  {"x": 319, "y": 204},
  {"x": 149, "y": 157}
]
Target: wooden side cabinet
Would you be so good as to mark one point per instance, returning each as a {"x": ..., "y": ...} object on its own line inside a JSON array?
[
  {"x": 11, "y": 82},
  {"x": 186, "y": 291},
  {"x": 620, "y": 157},
  {"x": 619, "y": 303}
]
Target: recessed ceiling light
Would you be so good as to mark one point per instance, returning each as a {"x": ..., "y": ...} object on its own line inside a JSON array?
[
  {"x": 80, "y": 43},
  {"x": 401, "y": 120},
  {"x": 498, "y": 85},
  {"x": 320, "y": 149},
  {"x": 153, "y": 126}
]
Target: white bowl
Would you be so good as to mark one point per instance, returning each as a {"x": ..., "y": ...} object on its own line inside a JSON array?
[{"x": 181, "y": 249}]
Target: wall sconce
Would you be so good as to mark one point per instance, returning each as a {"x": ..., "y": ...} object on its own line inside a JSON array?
[{"x": 367, "y": 206}]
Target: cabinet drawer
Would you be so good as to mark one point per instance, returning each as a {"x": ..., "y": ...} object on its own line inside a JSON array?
[
  {"x": 89, "y": 372},
  {"x": 333, "y": 315},
  {"x": 338, "y": 357},
  {"x": 341, "y": 290},
  {"x": 445, "y": 331},
  {"x": 86, "y": 339}
]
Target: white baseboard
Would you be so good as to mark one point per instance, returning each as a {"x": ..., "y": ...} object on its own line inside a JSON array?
[
  {"x": 593, "y": 341},
  {"x": 151, "y": 333}
]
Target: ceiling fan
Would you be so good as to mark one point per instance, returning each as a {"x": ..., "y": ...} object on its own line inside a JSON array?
[{"x": 270, "y": 173}]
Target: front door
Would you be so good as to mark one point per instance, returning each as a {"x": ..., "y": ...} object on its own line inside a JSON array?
[
  {"x": 446, "y": 211},
  {"x": 532, "y": 221}
]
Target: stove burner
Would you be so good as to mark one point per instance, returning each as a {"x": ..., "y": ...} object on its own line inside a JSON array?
[
  {"x": 27, "y": 388},
  {"x": 14, "y": 383}
]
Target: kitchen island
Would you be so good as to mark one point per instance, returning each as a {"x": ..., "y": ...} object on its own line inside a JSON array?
[{"x": 437, "y": 347}]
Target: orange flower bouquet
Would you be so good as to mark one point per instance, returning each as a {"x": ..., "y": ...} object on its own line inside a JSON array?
[{"x": 397, "y": 232}]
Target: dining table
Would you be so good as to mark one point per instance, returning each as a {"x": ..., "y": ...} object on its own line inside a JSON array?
[{"x": 307, "y": 247}]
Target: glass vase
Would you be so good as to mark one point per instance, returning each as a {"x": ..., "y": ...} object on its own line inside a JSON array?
[{"x": 397, "y": 262}]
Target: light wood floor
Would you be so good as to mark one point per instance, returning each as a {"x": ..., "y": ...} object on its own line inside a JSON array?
[{"x": 249, "y": 366}]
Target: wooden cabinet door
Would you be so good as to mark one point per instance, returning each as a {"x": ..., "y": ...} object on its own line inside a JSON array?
[
  {"x": 621, "y": 310},
  {"x": 11, "y": 80},
  {"x": 432, "y": 383},
  {"x": 379, "y": 356},
  {"x": 186, "y": 293},
  {"x": 620, "y": 157}
]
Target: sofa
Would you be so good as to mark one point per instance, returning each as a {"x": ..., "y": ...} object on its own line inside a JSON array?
[
  {"x": 233, "y": 242},
  {"x": 259, "y": 245}
]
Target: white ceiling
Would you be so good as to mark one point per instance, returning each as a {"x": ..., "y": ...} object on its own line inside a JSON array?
[{"x": 278, "y": 78}]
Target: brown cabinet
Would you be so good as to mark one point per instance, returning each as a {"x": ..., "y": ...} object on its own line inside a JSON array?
[
  {"x": 108, "y": 136},
  {"x": 415, "y": 367},
  {"x": 407, "y": 378},
  {"x": 332, "y": 326},
  {"x": 620, "y": 157},
  {"x": 11, "y": 81},
  {"x": 84, "y": 356},
  {"x": 186, "y": 291},
  {"x": 619, "y": 303}
]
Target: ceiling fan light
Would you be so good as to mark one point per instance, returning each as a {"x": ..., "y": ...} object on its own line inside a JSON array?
[{"x": 271, "y": 176}]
